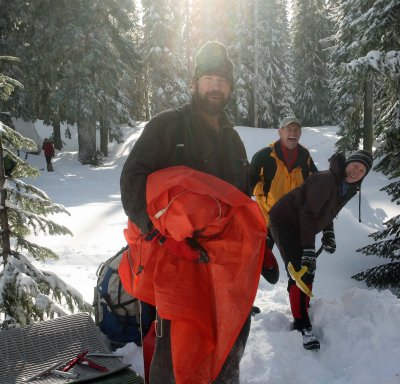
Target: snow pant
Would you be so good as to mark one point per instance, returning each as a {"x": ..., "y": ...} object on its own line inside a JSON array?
[
  {"x": 49, "y": 164},
  {"x": 288, "y": 241},
  {"x": 161, "y": 370}
]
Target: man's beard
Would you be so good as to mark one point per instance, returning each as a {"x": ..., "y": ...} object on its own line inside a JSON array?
[{"x": 212, "y": 107}]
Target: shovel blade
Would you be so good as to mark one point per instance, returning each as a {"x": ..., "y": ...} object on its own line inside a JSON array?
[{"x": 296, "y": 276}]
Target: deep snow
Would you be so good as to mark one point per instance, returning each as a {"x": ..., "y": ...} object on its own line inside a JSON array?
[{"x": 358, "y": 327}]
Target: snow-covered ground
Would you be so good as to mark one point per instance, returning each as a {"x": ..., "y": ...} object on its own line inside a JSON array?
[{"x": 358, "y": 327}]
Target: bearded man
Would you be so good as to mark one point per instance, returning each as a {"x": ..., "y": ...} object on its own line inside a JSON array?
[{"x": 200, "y": 136}]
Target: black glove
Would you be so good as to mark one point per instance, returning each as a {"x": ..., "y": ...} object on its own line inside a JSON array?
[
  {"x": 309, "y": 260},
  {"x": 328, "y": 241}
]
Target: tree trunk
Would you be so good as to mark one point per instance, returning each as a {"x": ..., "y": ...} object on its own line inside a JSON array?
[
  {"x": 368, "y": 133},
  {"x": 5, "y": 229},
  {"x": 104, "y": 132},
  {"x": 57, "y": 132},
  {"x": 87, "y": 141},
  {"x": 255, "y": 82},
  {"x": 146, "y": 99}
]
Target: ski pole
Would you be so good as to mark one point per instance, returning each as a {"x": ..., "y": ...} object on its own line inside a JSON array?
[{"x": 45, "y": 372}]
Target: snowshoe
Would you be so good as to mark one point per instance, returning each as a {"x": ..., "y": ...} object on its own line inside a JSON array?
[{"x": 310, "y": 342}]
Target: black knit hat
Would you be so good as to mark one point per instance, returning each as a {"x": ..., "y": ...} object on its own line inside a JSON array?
[
  {"x": 213, "y": 59},
  {"x": 362, "y": 157}
]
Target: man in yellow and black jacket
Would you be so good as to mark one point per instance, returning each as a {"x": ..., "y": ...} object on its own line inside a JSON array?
[{"x": 274, "y": 171}]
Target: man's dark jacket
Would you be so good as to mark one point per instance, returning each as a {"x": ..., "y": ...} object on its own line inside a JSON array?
[{"x": 180, "y": 137}]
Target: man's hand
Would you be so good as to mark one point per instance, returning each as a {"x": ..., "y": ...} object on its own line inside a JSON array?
[
  {"x": 188, "y": 249},
  {"x": 309, "y": 260},
  {"x": 328, "y": 241}
]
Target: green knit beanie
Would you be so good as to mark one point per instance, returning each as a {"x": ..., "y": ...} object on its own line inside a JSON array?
[{"x": 213, "y": 59}]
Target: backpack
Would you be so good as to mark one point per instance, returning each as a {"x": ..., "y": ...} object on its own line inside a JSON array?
[{"x": 117, "y": 314}]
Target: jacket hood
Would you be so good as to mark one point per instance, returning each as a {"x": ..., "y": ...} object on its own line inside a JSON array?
[{"x": 337, "y": 165}]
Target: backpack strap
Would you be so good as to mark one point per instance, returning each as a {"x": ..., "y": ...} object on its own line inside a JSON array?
[
  {"x": 262, "y": 168},
  {"x": 269, "y": 170},
  {"x": 307, "y": 170},
  {"x": 305, "y": 158},
  {"x": 180, "y": 138},
  {"x": 103, "y": 265}
]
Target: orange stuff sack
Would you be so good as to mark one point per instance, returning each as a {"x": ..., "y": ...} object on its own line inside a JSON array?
[{"x": 206, "y": 303}]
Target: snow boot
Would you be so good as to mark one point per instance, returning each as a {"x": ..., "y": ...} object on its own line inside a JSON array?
[
  {"x": 270, "y": 267},
  {"x": 303, "y": 325},
  {"x": 255, "y": 310},
  {"x": 310, "y": 342}
]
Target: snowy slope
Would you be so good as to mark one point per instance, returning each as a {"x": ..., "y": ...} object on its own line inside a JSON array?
[{"x": 357, "y": 327}]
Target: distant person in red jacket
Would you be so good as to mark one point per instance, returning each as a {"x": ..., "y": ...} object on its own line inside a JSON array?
[{"x": 48, "y": 149}]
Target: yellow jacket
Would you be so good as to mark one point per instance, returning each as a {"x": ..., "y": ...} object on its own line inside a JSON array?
[{"x": 270, "y": 179}]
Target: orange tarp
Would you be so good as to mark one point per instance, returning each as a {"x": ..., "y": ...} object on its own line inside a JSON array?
[{"x": 206, "y": 303}]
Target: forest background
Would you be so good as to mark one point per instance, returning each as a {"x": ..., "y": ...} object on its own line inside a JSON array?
[{"x": 102, "y": 63}]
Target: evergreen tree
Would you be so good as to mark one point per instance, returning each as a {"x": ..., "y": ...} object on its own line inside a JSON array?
[
  {"x": 185, "y": 40},
  {"x": 26, "y": 293},
  {"x": 165, "y": 71},
  {"x": 261, "y": 52},
  {"x": 363, "y": 26},
  {"x": 387, "y": 240},
  {"x": 275, "y": 81},
  {"x": 346, "y": 103},
  {"x": 97, "y": 34},
  {"x": 135, "y": 87},
  {"x": 312, "y": 94},
  {"x": 244, "y": 56},
  {"x": 387, "y": 246},
  {"x": 212, "y": 20},
  {"x": 14, "y": 23},
  {"x": 77, "y": 62}
]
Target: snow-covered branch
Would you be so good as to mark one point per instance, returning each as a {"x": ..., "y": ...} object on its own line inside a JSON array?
[
  {"x": 31, "y": 295},
  {"x": 383, "y": 62}
]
